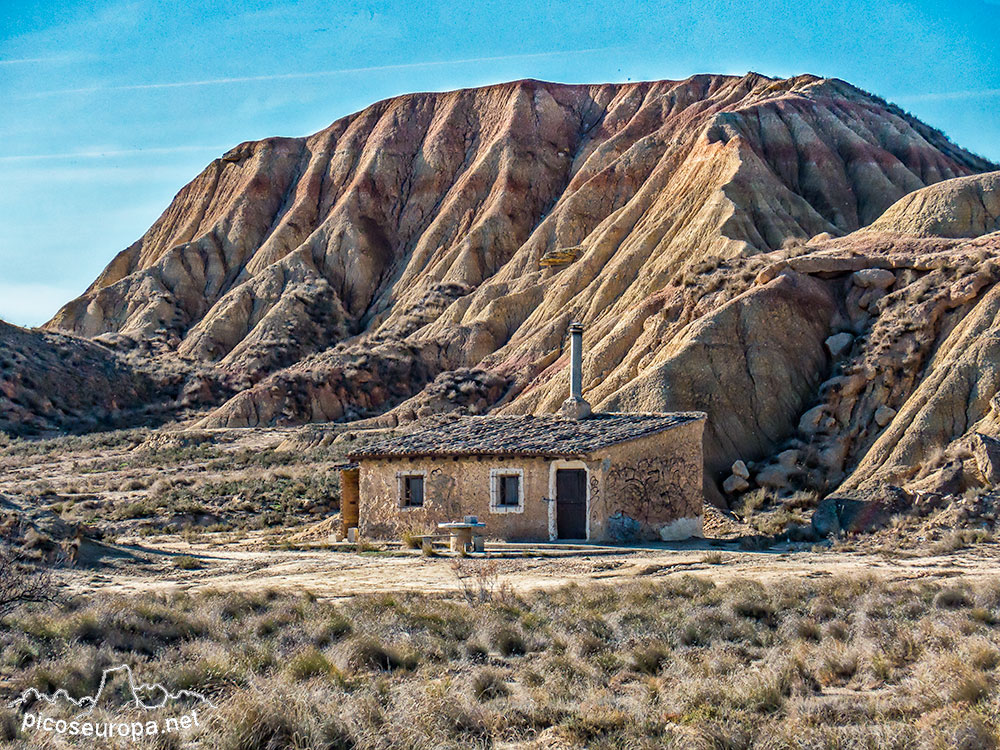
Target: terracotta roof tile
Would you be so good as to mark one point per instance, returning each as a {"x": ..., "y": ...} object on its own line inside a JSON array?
[{"x": 522, "y": 435}]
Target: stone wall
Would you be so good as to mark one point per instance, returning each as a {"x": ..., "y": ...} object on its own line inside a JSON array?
[
  {"x": 452, "y": 489},
  {"x": 649, "y": 488}
]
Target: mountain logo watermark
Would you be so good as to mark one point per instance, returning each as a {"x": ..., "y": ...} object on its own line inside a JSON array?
[{"x": 59, "y": 713}]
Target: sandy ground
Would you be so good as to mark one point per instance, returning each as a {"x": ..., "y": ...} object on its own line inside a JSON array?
[{"x": 338, "y": 573}]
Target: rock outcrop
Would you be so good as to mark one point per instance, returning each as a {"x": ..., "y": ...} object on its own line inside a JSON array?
[
  {"x": 805, "y": 262},
  {"x": 965, "y": 207},
  {"x": 750, "y": 365}
]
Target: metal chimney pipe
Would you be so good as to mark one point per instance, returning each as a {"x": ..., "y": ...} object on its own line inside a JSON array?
[
  {"x": 575, "y": 407},
  {"x": 576, "y": 361}
]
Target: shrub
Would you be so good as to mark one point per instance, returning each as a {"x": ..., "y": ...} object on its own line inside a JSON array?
[
  {"x": 412, "y": 539},
  {"x": 508, "y": 642},
  {"x": 808, "y": 629},
  {"x": 187, "y": 562},
  {"x": 476, "y": 652},
  {"x": 952, "y": 597},
  {"x": 335, "y": 628},
  {"x": 753, "y": 607},
  {"x": 8, "y": 725},
  {"x": 649, "y": 658},
  {"x": 308, "y": 663},
  {"x": 258, "y": 722},
  {"x": 488, "y": 683},
  {"x": 21, "y": 582},
  {"x": 365, "y": 653}
]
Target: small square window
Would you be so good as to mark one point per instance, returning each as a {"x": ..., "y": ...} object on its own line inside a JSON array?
[
  {"x": 413, "y": 491},
  {"x": 506, "y": 490},
  {"x": 510, "y": 490}
]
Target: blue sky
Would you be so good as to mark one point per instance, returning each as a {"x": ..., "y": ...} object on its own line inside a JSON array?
[{"x": 110, "y": 108}]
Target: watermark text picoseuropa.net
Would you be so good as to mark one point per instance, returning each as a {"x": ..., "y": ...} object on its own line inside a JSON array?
[
  {"x": 134, "y": 730},
  {"x": 185, "y": 709}
]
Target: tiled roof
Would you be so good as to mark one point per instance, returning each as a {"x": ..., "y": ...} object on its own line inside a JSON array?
[{"x": 544, "y": 435}]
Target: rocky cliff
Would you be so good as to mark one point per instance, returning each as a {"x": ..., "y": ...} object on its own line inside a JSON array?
[{"x": 429, "y": 252}]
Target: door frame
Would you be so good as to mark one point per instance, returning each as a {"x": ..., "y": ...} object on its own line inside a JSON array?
[{"x": 554, "y": 466}]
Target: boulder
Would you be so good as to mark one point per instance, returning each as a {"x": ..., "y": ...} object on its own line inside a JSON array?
[
  {"x": 774, "y": 476},
  {"x": 873, "y": 278},
  {"x": 735, "y": 484},
  {"x": 813, "y": 420},
  {"x": 986, "y": 451},
  {"x": 884, "y": 415},
  {"x": 825, "y": 521},
  {"x": 855, "y": 516},
  {"x": 839, "y": 343},
  {"x": 789, "y": 459},
  {"x": 740, "y": 469}
]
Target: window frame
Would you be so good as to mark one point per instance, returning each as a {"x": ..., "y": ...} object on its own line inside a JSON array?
[
  {"x": 496, "y": 500},
  {"x": 401, "y": 497}
]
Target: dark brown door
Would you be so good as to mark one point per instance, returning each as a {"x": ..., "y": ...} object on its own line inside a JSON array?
[{"x": 571, "y": 503}]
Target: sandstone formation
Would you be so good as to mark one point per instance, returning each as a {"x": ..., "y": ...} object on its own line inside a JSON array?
[
  {"x": 801, "y": 260},
  {"x": 967, "y": 207}
]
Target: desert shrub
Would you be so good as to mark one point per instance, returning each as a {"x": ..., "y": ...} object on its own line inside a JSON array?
[
  {"x": 22, "y": 581},
  {"x": 476, "y": 652},
  {"x": 838, "y": 630},
  {"x": 588, "y": 644},
  {"x": 959, "y": 730},
  {"x": 412, "y": 539},
  {"x": 508, "y": 642},
  {"x": 649, "y": 658},
  {"x": 664, "y": 661},
  {"x": 367, "y": 653},
  {"x": 808, "y": 629},
  {"x": 752, "y": 603},
  {"x": 255, "y": 721},
  {"x": 334, "y": 628},
  {"x": 187, "y": 562},
  {"x": 488, "y": 683},
  {"x": 8, "y": 725},
  {"x": 309, "y": 662},
  {"x": 952, "y": 597}
]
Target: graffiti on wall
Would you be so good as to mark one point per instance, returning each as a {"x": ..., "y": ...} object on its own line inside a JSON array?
[{"x": 644, "y": 494}]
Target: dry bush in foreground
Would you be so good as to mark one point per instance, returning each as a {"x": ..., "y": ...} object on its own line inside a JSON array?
[
  {"x": 843, "y": 662},
  {"x": 21, "y": 581}
]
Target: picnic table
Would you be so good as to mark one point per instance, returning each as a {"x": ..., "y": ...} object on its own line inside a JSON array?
[{"x": 462, "y": 533}]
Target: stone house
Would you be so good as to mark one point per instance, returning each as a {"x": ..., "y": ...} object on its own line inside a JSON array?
[{"x": 573, "y": 475}]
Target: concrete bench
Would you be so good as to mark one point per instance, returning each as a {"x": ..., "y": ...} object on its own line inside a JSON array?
[{"x": 476, "y": 542}]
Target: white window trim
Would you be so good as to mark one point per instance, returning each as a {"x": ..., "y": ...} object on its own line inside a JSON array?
[
  {"x": 495, "y": 506},
  {"x": 401, "y": 476}
]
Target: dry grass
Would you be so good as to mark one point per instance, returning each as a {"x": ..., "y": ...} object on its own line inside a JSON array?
[
  {"x": 144, "y": 482},
  {"x": 843, "y": 662}
]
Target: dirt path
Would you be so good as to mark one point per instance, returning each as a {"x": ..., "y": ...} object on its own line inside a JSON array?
[{"x": 336, "y": 574}]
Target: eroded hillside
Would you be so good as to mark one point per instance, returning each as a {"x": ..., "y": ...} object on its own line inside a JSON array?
[{"x": 429, "y": 252}]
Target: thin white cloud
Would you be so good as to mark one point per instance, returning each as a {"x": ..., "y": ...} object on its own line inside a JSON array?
[
  {"x": 23, "y": 61},
  {"x": 104, "y": 153},
  {"x": 942, "y": 96},
  {"x": 318, "y": 73},
  {"x": 38, "y": 60}
]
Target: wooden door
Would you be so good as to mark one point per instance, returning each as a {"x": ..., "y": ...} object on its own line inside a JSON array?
[{"x": 571, "y": 504}]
